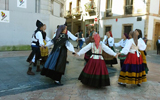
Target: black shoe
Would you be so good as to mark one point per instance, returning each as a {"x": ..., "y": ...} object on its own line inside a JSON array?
[
  {"x": 57, "y": 83},
  {"x": 67, "y": 62},
  {"x": 122, "y": 84},
  {"x": 139, "y": 85}
]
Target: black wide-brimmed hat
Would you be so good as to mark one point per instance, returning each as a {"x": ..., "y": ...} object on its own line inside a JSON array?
[{"x": 39, "y": 24}]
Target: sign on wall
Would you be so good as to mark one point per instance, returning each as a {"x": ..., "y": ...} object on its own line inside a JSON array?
[
  {"x": 22, "y": 3},
  {"x": 4, "y": 17}
]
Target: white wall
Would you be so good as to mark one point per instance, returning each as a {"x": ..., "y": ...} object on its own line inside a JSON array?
[
  {"x": 118, "y": 7},
  {"x": 30, "y": 6},
  {"x": 154, "y": 6},
  {"x": 151, "y": 26},
  {"x": 117, "y": 26},
  {"x": 23, "y": 24},
  {"x": 54, "y": 21},
  {"x": 56, "y": 9}
]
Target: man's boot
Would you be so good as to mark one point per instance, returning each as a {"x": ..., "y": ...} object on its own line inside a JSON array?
[
  {"x": 29, "y": 72},
  {"x": 38, "y": 66}
]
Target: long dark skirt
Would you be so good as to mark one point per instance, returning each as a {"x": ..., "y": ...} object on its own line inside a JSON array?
[
  {"x": 109, "y": 59},
  {"x": 55, "y": 65},
  {"x": 95, "y": 73}
]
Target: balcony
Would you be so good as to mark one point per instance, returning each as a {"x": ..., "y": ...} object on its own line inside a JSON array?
[
  {"x": 90, "y": 7},
  {"x": 128, "y": 9},
  {"x": 68, "y": 13},
  {"x": 77, "y": 11},
  {"x": 109, "y": 12}
]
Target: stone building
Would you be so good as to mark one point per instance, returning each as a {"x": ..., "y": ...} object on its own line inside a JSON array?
[{"x": 16, "y": 35}]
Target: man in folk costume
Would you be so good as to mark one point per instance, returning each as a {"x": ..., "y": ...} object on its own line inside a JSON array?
[
  {"x": 70, "y": 35},
  {"x": 37, "y": 42},
  {"x": 158, "y": 45},
  {"x": 109, "y": 42}
]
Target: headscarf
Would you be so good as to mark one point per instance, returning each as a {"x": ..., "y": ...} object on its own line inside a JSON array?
[
  {"x": 110, "y": 33},
  {"x": 59, "y": 31},
  {"x": 126, "y": 35},
  {"x": 97, "y": 40}
]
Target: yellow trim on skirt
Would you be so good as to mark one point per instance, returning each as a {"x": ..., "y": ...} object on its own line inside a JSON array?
[
  {"x": 143, "y": 57},
  {"x": 132, "y": 78}
]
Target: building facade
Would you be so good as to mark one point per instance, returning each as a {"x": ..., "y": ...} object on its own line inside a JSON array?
[
  {"x": 16, "y": 34},
  {"x": 80, "y": 15},
  {"x": 123, "y": 16}
]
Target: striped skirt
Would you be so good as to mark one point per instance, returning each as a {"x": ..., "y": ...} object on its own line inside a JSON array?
[{"x": 133, "y": 71}]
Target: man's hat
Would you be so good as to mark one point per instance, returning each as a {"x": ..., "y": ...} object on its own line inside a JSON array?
[{"x": 39, "y": 24}]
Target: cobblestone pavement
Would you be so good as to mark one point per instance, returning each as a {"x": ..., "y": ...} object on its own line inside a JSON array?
[{"x": 72, "y": 88}]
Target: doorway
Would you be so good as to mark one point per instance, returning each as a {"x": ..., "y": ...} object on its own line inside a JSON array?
[{"x": 156, "y": 34}]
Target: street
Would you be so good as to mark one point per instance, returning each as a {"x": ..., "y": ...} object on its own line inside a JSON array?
[{"x": 17, "y": 85}]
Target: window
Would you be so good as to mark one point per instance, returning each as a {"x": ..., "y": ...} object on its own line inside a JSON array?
[
  {"x": 108, "y": 8},
  {"x": 128, "y": 6},
  {"x": 37, "y": 6},
  {"x": 70, "y": 7},
  {"x": 107, "y": 28},
  {"x": 4, "y": 4},
  {"x": 127, "y": 29}
]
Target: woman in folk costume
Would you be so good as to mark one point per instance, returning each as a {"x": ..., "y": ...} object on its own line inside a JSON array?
[
  {"x": 55, "y": 65},
  {"x": 37, "y": 42},
  {"x": 44, "y": 50},
  {"x": 95, "y": 72},
  {"x": 121, "y": 44},
  {"x": 143, "y": 52},
  {"x": 133, "y": 71},
  {"x": 109, "y": 42},
  {"x": 105, "y": 37}
]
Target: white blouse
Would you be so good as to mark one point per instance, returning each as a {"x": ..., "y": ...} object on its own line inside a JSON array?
[
  {"x": 70, "y": 35},
  {"x": 131, "y": 47},
  {"x": 39, "y": 37},
  {"x": 68, "y": 45},
  {"x": 121, "y": 43},
  {"x": 105, "y": 37},
  {"x": 95, "y": 50},
  {"x": 110, "y": 41}
]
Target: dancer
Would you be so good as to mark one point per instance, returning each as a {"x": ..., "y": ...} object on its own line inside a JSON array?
[
  {"x": 44, "y": 50},
  {"x": 109, "y": 42},
  {"x": 55, "y": 31},
  {"x": 70, "y": 35},
  {"x": 105, "y": 37},
  {"x": 95, "y": 72},
  {"x": 37, "y": 42},
  {"x": 133, "y": 71},
  {"x": 55, "y": 65},
  {"x": 121, "y": 44},
  {"x": 88, "y": 40},
  {"x": 80, "y": 41},
  {"x": 143, "y": 53}
]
